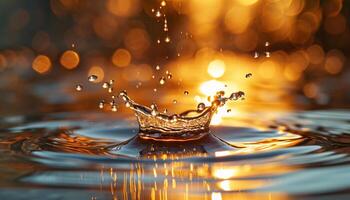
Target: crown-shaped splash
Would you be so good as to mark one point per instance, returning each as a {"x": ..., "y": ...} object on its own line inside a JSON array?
[{"x": 189, "y": 125}]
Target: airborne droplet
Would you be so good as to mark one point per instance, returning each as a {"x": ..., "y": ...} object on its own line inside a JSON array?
[
  {"x": 248, "y": 75},
  {"x": 162, "y": 80},
  {"x": 105, "y": 85},
  {"x": 163, "y": 3},
  {"x": 157, "y": 67},
  {"x": 114, "y": 108},
  {"x": 92, "y": 78},
  {"x": 256, "y": 55},
  {"x": 101, "y": 104},
  {"x": 167, "y": 39},
  {"x": 79, "y": 87},
  {"x": 186, "y": 92},
  {"x": 174, "y": 101}
]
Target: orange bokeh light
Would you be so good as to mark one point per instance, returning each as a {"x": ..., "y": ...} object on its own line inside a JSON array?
[
  {"x": 41, "y": 64},
  {"x": 121, "y": 58},
  {"x": 69, "y": 59}
]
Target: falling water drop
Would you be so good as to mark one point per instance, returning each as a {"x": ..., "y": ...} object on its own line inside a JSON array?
[
  {"x": 158, "y": 41},
  {"x": 228, "y": 110},
  {"x": 267, "y": 44},
  {"x": 155, "y": 90},
  {"x": 162, "y": 80},
  {"x": 114, "y": 108},
  {"x": 174, "y": 101},
  {"x": 158, "y": 14},
  {"x": 105, "y": 85},
  {"x": 157, "y": 67},
  {"x": 79, "y": 87},
  {"x": 163, "y": 3},
  {"x": 165, "y": 111},
  {"x": 111, "y": 82},
  {"x": 101, "y": 104},
  {"x": 110, "y": 90},
  {"x": 186, "y": 92},
  {"x": 256, "y": 54},
  {"x": 92, "y": 78},
  {"x": 267, "y": 54},
  {"x": 167, "y": 39}
]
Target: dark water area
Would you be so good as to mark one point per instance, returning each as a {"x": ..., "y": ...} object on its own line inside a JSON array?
[{"x": 90, "y": 155}]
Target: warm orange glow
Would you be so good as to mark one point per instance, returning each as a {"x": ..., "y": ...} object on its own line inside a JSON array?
[
  {"x": 41, "y": 64},
  {"x": 121, "y": 58},
  {"x": 216, "y": 68},
  {"x": 3, "y": 62},
  {"x": 69, "y": 59},
  {"x": 98, "y": 71},
  {"x": 122, "y": 8},
  {"x": 216, "y": 196},
  {"x": 224, "y": 172},
  {"x": 209, "y": 88},
  {"x": 247, "y": 2},
  {"x": 310, "y": 90}
]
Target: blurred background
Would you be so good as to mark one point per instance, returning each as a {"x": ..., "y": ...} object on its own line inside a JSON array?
[{"x": 296, "y": 51}]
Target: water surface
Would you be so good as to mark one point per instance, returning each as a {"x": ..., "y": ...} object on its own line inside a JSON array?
[{"x": 92, "y": 155}]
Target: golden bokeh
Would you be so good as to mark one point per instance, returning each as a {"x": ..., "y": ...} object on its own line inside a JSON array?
[
  {"x": 69, "y": 59},
  {"x": 121, "y": 58},
  {"x": 216, "y": 68},
  {"x": 41, "y": 64}
]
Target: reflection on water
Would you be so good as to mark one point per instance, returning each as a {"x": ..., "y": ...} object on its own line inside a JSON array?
[{"x": 296, "y": 155}]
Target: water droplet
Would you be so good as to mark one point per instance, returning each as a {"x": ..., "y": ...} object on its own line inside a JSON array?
[
  {"x": 186, "y": 92},
  {"x": 110, "y": 90},
  {"x": 267, "y": 54},
  {"x": 174, "y": 101},
  {"x": 153, "y": 76},
  {"x": 162, "y": 80},
  {"x": 163, "y": 3},
  {"x": 114, "y": 108},
  {"x": 158, "y": 14},
  {"x": 248, "y": 75},
  {"x": 157, "y": 67},
  {"x": 267, "y": 44},
  {"x": 79, "y": 87},
  {"x": 111, "y": 82},
  {"x": 155, "y": 90},
  {"x": 158, "y": 41},
  {"x": 101, "y": 104},
  {"x": 105, "y": 85},
  {"x": 256, "y": 55},
  {"x": 167, "y": 39},
  {"x": 200, "y": 106},
  {"x": 127, "y": 104},
  {"x": 228, "y": 110},
  {"x": 113, "y": 96},
  {"x": 165, "y": 111},
  {"x": 92, "y": 78},
  {"x": 169, "y": 76}
]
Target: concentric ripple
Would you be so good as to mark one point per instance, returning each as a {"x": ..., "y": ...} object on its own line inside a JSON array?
[{"x": 91, "y": 155}]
